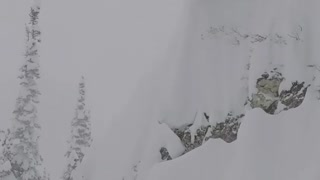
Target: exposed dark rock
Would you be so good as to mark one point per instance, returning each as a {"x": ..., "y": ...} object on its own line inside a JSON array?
[
  {"x": 185, "y": 136},
  {"x": 206, "y": 116},
  {"x": 293, "y": 97},
  {"x": 258, "y": 38},
  {"x": 268, "y": 97},
  {"x": 226, "y": 131},
  {"x": 165, "y": 154}
]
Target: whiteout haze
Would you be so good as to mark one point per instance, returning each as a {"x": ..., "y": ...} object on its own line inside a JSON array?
[{"x": 183, "y": 90}]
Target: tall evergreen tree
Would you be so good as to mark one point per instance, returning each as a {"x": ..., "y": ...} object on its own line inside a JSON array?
[
  {"x": 80, "y": 134},
  {"x": 22, "y": 149},
  {"x": 5, "y": 166}
]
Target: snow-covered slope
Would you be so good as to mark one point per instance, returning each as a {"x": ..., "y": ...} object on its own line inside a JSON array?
[
  {"x": 284, "y": 146},
  {"x": 247, "y": 62}
]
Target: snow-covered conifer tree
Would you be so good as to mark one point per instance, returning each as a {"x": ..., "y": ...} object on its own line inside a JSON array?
[
  {"x": 22, "y": 148},
  {"x": 45, "y": 175},
  {"x": 5, "y": 166},
  {"x": 80, "y": 134}
]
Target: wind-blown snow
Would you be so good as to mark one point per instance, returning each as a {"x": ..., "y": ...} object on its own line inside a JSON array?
[
  {"x": 218, "y": 52},
  {"x": 225, "y": 46}
]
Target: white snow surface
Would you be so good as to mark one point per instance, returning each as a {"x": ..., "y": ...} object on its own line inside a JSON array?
[
  {"x": 282, "y": 146},
  {"x": 207, "y": 71}
]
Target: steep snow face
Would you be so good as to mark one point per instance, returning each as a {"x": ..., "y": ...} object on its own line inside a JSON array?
[
  {"x": 280, "y": 146},
  {"x": 223, "y": 59},
  {"x": 263, "y": 60},
  {"x": 244, "y": 62}
]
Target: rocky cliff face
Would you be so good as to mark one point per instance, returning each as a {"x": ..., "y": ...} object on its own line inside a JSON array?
[
  {"x": 268, "y": 94},
  {"x": 226, "y": 130},
  {"x": 266, "y": 97},
  {"x": 185, "y": 135}
]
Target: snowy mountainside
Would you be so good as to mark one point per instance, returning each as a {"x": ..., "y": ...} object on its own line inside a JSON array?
[
  {"x": 268, "y": 147},
  {"x": 239, "y": 101}
]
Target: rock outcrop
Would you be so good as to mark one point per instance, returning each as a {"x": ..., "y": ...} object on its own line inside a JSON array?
[
  {"x": 267, "y": 97},
  {"x": 293, "y": 97},
  {"x": 165, "y": 156},
  {"x": 185, "y": 136},
  {"x": 226, "y": 130},
  {"x": 270, "y": 100}
]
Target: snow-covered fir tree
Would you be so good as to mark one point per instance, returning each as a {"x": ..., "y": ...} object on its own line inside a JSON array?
[
  {"x": 5, "y": 166},
  {"x": 46, "y": 175},
  {"x": 80, "y": 134},
  {"x": 22, "y": 149}
]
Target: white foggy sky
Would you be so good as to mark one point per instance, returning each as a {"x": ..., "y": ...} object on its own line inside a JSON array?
[{"x": 113, "y": 43}]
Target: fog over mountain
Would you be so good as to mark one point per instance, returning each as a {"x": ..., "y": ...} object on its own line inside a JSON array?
[{"x": 171, "y": 90}]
